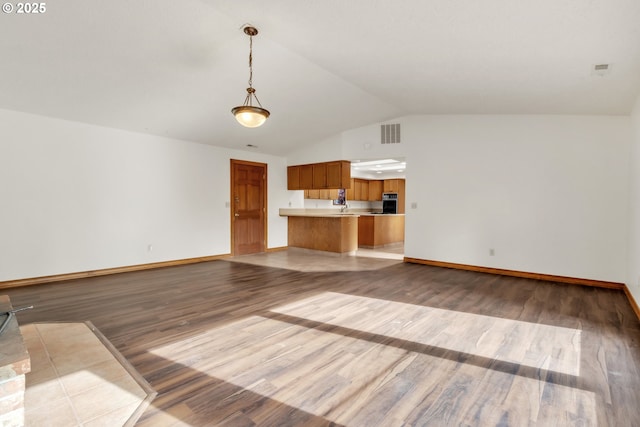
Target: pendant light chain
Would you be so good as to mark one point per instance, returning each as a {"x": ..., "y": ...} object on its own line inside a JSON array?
[
  {"x": 250, "y": 89},
  {"x": 251, "y": 61}
]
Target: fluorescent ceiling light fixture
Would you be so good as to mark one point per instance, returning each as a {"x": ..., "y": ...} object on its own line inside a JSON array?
[{"x": 375, "y": 163}]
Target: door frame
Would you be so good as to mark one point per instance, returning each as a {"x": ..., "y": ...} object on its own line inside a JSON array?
[{"x": 265, "y": 219}]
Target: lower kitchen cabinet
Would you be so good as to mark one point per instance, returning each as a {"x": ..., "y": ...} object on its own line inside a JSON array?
[
  {"x": 375, "y": 231},
  {"x": 329, "y": 233}
]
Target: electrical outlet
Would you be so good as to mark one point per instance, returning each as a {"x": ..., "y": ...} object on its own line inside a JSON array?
[
  {"x": 492, "y": 252},
  {"x": 149, "y": 248}
]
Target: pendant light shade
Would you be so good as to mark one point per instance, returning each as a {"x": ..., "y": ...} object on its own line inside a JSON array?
[
  {"x": 247, "y": 114},
  {"x": 250, "y": 117}
]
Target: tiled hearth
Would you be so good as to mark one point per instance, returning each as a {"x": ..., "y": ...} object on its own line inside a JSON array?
[
  {"x": 78, "y": 379},
  {"x": 14, "y": 365}
]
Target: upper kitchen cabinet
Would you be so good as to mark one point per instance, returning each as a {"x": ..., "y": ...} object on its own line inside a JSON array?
[
  {"x": 338, "y": 174},
  {"x": 362, "y": 189},
  {"x": 306, "y": 177},
  {"x": 293, "y": 178},
  {"x": 319, "y": 176},
  {"x": 375, "y": 190},
  {"x": 299, "y": 177},
  {"x": 392, "y": 185},
  {"x": 326, "y": 194},
  {"x": 366, "y": 190}
]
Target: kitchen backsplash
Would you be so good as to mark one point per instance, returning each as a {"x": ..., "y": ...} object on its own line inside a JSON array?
[{"x": 327, "y": 204}]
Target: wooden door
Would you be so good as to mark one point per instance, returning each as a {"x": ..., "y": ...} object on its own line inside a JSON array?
[{"x": 248, "y": 207}]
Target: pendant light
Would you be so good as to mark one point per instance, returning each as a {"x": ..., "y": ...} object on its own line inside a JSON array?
[{"x": 247, "y": 114}]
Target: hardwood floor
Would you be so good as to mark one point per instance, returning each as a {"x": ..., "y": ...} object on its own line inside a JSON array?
[{"x": 238, "y": 344}]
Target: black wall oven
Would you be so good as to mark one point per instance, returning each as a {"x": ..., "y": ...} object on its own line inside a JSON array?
[{"x": 389, "y": 203}]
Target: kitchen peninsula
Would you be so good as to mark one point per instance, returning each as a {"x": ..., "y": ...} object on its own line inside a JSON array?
[{"x": 342, "y": 233}]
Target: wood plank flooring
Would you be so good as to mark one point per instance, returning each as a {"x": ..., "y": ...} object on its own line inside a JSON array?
[{"x": 238, "y": 344}]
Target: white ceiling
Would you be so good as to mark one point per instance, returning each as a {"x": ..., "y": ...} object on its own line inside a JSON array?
[{"x": 177, "y": 68}]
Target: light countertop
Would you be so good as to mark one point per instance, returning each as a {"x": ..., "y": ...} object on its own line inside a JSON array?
[{"x": 330, "y": 213}]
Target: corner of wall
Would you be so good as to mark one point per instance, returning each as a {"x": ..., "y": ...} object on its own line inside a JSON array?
[{"x": 633, "y": 280}]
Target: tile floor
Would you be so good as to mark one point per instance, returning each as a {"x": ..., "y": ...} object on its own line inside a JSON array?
[
  {"x": 310, "y": 261},
  {"x": 77, "y": 378}
]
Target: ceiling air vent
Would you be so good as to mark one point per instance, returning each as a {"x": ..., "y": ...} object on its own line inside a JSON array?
[{"x": 390, "y": 134}]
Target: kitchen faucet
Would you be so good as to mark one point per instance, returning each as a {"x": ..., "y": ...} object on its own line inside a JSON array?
[{"x": 344, "y": 207}]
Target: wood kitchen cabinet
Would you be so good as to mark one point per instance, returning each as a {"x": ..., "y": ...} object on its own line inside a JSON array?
[
  {"x": 326, "y": 194},
  {"x": 293, "y": 178},
  {"x": 338, "y": 174},
  {"x": 367, "y": 190},
  {"x": 376, "y": 231},
  {"x": 333, "y": 193},
  {"x": 311, "y": 194},
  {"x": 350, "y": 192},
  {"x": 362, "y": 189},
  {"x": 375, "y": 190},
  {"x": 319, "y": 176},
  {"x": 306, "y": 177},
  {"x": 396, "y": 186},
  {"x": 331, "y": 233},
  {"x": 391, "y": 185},
  {"x": 299, "y": 177}
]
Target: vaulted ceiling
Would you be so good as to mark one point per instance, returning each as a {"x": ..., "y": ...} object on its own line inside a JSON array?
[{"x": 320, "y": 66}]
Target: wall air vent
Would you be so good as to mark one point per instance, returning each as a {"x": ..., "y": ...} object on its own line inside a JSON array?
[
  {"x": 601, "y": 69},
  {"x": 390, "y": 134}
]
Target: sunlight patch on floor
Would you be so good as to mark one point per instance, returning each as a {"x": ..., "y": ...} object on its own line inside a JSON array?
[
  {"x": 535, "y": 345},
  {"x": 342, "y": 374}
]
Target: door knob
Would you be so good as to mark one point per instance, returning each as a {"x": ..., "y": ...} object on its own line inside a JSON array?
[{"x": 237, "y": 214}]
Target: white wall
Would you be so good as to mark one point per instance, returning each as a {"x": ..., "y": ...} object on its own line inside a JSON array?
[
  {"x": 548, "y": 193},
  {"x": 325, "y": 150},
  {"x": 364, "y": 143},
  {"x": 633, "y": 281},
  {"x": 77, "y": 197}
]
